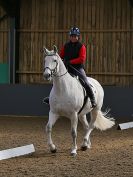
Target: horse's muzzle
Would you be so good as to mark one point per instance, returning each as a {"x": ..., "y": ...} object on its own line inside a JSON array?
[{"x": 47, "y": 76}]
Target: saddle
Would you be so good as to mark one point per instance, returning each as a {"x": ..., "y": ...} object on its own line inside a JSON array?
[
  {"x": 88, "y": 93},
  {"x": 85, "y": 95},
  {"x": 84, "y": 91}
]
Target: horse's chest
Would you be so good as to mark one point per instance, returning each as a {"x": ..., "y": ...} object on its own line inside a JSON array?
[{"x": 62, "y": 106}]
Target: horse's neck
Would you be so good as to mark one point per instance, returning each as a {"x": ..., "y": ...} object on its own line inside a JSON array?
[{"x": 61, "y": 81}]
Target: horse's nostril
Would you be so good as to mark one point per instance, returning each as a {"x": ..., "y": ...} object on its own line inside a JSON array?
[{"x": 47, "y": 75}]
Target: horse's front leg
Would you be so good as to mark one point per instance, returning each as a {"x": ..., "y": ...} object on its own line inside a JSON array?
[
  {"x": 52, "y": 119},
  {"x": 74, "y": 123}
]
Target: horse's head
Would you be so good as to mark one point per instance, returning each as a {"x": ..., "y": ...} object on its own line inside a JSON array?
[{"x": 50, "y": 63}]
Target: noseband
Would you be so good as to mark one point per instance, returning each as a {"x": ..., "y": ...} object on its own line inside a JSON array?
[{"x": 53, "y": 71}]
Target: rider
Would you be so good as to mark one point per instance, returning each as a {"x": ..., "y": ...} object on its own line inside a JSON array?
[{"x": 73, "y": 54}]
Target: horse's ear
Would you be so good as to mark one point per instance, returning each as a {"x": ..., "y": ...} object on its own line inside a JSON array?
[
  {"x": 55, "y": 49},
  {"x": 46, "y": 51}
]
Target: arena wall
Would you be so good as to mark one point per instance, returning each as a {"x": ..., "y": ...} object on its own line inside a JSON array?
[{"x": 26, "y": 100}]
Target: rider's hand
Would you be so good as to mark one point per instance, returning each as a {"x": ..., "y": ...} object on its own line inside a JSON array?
[{"x": 66, "y": 62}]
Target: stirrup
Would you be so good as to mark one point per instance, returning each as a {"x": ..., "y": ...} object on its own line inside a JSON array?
[{"x": 46, "y": 100}]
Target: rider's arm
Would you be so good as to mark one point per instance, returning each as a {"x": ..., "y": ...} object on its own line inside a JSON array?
[{"x": 82, "y": 56}]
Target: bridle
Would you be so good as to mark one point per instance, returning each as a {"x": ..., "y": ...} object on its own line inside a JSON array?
[{"x": 54, "y": 71}]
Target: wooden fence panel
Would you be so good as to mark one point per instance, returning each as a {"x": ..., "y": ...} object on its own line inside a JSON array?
[{"x": 106, "y": 30}]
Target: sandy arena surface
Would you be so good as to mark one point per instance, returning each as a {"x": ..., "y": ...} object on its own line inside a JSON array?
[{"x": 111, "y": 154}]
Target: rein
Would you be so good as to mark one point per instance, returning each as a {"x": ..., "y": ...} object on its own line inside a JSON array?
[{"x": 61, "y": 74}]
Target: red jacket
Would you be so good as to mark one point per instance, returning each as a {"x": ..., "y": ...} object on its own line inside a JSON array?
[{"x": 81, "y": 58}]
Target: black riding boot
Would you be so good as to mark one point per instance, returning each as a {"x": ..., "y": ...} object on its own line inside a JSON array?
[
  {"x": 46, "y": 100},
  {"x": 90, "y": 94}
]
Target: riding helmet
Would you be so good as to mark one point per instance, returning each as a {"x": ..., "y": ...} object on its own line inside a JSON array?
[{"x": 74, "y": 31}]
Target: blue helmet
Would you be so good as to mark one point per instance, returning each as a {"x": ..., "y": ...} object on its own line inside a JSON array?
[{"x": 74, "y": 31}]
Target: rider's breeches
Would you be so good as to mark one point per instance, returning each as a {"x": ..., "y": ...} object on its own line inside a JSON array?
[{"x": 82, "y": 75}]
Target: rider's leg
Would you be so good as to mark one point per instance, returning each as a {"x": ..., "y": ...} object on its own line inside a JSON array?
[
  {"x": 88, "y": 87},
  {"x": 90, "y": 94}
]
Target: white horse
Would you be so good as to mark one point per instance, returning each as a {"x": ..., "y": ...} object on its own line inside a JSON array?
[{"x": 67, "y": 98}]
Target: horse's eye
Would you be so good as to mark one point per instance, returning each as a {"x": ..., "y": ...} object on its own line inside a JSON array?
[{"x": 54, "y": 60}]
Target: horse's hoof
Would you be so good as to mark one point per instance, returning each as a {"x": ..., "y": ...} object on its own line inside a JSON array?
[
  {"x": 84, "y": 148},
  {"x": 54, "y": 151},
  {"x": 73, "y": 154}
]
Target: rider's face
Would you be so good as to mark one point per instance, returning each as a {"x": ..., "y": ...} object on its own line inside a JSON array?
[{"x": 74, "y": 38}]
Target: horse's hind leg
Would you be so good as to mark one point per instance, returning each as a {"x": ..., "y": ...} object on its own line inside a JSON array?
[
  {"x": 93, "y": 114},
  {"x": 88, "y": 129},
  {"x": 86, "y": 142},
  {"x": 51, "y": 122}
]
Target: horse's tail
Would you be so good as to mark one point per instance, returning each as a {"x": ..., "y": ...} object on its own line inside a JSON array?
[{"x": 103, "y": 121}]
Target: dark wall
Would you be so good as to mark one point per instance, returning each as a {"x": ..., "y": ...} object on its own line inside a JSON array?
[
  {"x": 23, "y": 99},
  {"x": 120, "y": 101},
  {"x": 27, "y": 100}
]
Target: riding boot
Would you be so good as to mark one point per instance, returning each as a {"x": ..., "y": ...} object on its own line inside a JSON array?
[
  {"x": 90, "y": 94},
  {"x": 46, "y": 100}
]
